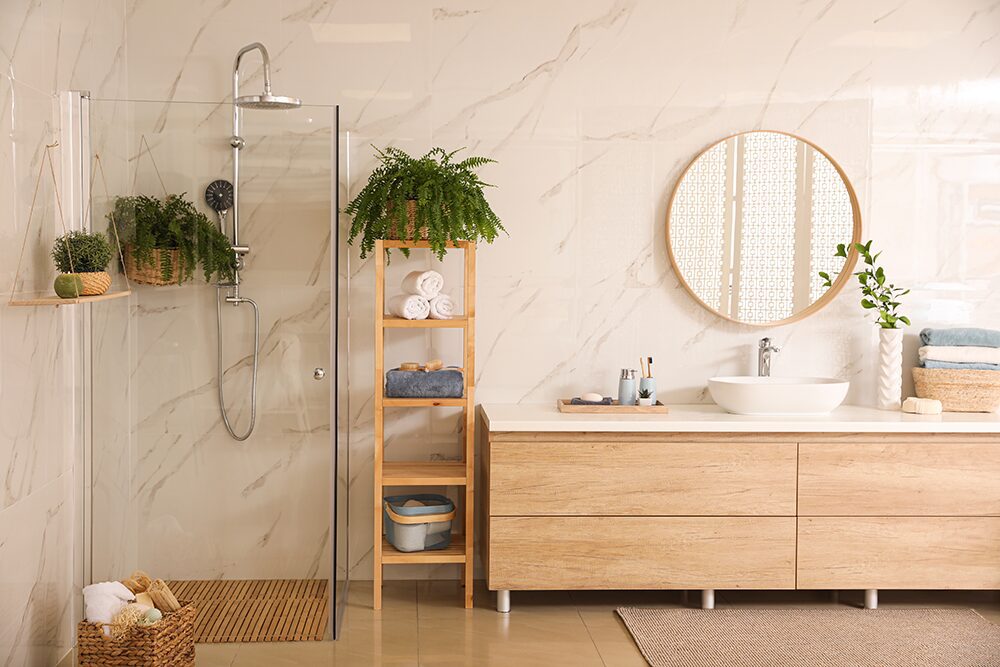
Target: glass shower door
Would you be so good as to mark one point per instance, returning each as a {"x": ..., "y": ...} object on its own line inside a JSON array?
[{"x": 179, "y": 498}]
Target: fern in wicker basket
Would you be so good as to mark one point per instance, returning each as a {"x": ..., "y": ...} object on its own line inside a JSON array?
[
  {"x": 169, "y": 237},
  {"x": 431, "y": 197}
]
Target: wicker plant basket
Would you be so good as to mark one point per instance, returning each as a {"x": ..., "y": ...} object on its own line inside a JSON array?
[
  {"x": 150, "y": 274},
  {"x": 169, "y": 643},
  {"x": 94, "y": 284},
  {"x": 958, "y": 390},
  {"x": 411, "y": 214}
]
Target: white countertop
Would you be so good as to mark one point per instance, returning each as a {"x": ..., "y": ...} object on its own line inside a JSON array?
[{"x": 713, "y": 419}]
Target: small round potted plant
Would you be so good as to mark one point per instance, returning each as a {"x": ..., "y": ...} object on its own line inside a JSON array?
[
  {"x": 432, "y": 198},
  {"x": 82, "y": 259}
]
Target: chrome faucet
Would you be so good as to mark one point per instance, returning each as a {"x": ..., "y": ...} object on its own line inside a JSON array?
[{"x": 764, "y": 357}]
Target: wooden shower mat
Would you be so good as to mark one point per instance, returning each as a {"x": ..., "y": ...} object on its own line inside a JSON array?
[{"x": 257, "y": 610}]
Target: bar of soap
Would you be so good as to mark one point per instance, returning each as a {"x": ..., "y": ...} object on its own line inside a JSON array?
[
  {"x": 434, "y": 365},
  {"x": 592, "y": 397},
  {"x": 922, "y": 406}
]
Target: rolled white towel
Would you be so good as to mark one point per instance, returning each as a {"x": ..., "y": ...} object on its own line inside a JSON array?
[
  {"x": 442, "y": 307},
  {"x": 102, "y": 601},
  {"x": 427, "y": 284},
  {"x": 964, "y": 354},
  {"x": 409, "y": 306}
]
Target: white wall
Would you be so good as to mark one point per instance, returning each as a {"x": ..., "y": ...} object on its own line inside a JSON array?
[
  {"x": 593, "y": 107},
  {"x": 45, "y": 46}
]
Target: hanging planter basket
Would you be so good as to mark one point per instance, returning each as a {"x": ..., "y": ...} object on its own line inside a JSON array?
[{"x": 151, "y": 273}]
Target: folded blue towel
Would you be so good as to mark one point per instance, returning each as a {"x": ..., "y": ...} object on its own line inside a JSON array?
[
  {"x": 953, "y": 366},
  {"x": 445, "y": 383},
  {"x": 961, "y": 336},
  {"x": 579, "y": 401}
]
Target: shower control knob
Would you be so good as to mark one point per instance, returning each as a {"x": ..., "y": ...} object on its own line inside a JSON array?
[{"x": 319, "y": 374}]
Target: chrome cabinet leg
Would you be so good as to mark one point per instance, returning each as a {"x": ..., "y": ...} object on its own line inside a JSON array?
[
  {"x": 708, "y": 598},
  {"x": 503, "y": 601},
  {"x": 871, "y": 598}
]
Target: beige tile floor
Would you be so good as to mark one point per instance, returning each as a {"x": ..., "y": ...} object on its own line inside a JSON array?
[{"x": 421, "y": 625}]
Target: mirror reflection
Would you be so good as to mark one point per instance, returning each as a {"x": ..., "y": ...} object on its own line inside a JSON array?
[{"x": 753, "y": 221}]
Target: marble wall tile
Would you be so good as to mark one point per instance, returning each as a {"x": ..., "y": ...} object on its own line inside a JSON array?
[
  {"x": 593, "y": 108},
  {"x": 46, "y": 46}
]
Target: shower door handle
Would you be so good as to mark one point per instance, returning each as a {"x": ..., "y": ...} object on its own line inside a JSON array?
[{"x": 319, "y": 374}]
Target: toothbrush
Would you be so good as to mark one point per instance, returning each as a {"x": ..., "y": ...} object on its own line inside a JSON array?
[{"x": 649, "y": 367}]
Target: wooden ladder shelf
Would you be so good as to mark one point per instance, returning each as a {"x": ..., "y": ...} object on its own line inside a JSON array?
[{"x": 426, "y": 473}]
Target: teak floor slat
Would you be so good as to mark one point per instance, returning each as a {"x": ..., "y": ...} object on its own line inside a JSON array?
[{"x": 257, "y": 610}]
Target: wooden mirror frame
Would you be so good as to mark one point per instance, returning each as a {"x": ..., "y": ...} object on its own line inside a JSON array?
[{"x": 849, "y": 263}]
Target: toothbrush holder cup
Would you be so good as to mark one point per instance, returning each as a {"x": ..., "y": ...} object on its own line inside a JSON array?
[{"x": 650, "y": 385}]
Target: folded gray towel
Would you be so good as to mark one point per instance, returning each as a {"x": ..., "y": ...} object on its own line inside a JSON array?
[
  {"x": 445, "y": 383},
  {"x": 961, "y": 336},
  {"x": 958, "y": 366},
  {"x": 580, "y": 401}
]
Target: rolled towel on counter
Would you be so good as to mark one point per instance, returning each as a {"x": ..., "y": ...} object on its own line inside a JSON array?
[
  {"x": 960, "y": 354},
  {"x": 961, "y": 337},
  {"x": 427, "y": 284},
  {"x": 409, "y": 306},
  {"x": 953, "y": 366},
  {"x": 442, "y": 307}
]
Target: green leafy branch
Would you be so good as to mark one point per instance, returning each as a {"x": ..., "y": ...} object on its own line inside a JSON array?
[{"x": 876, "y": 293}]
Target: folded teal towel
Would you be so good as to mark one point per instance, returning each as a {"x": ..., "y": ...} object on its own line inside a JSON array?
[
  {"x": 961, "y": 336},
  {"x": 951, "y": 365}
]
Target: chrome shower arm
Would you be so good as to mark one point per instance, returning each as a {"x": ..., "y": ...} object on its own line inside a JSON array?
[{"x": 255, "y": 46}]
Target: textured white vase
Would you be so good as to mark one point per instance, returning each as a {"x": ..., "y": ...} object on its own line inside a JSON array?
[{"x": 890, "y": 368}]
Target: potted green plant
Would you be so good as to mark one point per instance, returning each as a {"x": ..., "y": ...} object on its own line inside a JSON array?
[
  {"x": 429, "y": 198},
  {"x": 645, "y": 397},
  {"x": 166, "y": 239},
  {"x": 881, "y": 296},
  {"x": 82, "y": 259}
]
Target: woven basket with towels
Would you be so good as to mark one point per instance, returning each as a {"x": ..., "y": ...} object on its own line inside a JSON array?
[{"x": 959, "y": 367}]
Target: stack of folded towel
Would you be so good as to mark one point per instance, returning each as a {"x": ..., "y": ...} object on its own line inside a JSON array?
[
  {"x": 960, "y": 349},
  {"x": 422, "y": 298}
]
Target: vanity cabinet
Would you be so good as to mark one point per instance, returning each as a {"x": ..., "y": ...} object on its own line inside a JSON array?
[{"x": 816, "y": 505}]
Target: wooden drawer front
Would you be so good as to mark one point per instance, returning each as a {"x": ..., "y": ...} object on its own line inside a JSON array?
[
  {"x": 641, "y": 552},
  {"x": 644, "y": 478},
  {"x": 907, "y": 552},
  {"x": 872, "y": 479}
]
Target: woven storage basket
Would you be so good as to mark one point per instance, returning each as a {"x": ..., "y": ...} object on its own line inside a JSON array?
[
  {"x": 95, "y": 283},
  {"x": 169, "y": 643},
  {"x": 958, "y": 390},
  {"x": 411, "y": 214},
  {"x": 149, "y": 274}
]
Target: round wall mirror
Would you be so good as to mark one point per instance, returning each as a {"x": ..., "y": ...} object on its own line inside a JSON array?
[{"x": 755, "y": 220}]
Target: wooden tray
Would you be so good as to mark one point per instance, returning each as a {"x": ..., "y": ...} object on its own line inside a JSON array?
[{"x": 613, "y": 409}]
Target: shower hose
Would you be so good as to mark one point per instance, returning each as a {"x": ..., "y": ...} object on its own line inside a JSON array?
[{"x": 256, "y": 348}]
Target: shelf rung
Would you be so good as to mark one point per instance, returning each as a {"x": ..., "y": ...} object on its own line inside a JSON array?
[
  {"x": 54, "y": 300},
  {"x": 423, "y": 473},
  {"x": 396, "y": 243},
  {"x": 453, "y": 553},
  {"x": 393, "y": 322},
  {"x": 423, "y": 402}
]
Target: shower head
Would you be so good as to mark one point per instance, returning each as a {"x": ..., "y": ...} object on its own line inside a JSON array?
[
  {"x": 265, "y": 100},
  {"x": 268, "y": 101},
  {"x": 219, "y": 195}
]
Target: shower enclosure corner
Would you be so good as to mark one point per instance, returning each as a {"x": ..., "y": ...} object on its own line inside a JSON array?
[{"x": 169, "y": 489}]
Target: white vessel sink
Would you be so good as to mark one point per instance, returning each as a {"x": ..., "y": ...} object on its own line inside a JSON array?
[{"x": 746, "y": 395}]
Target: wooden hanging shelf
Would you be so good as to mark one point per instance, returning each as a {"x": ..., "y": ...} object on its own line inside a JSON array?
[{"x": 53, "y": 300}]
